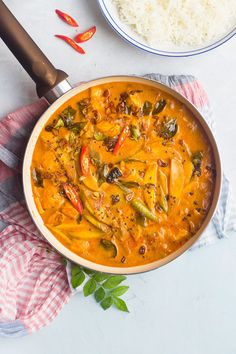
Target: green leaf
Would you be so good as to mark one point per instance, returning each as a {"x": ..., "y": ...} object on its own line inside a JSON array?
[
  {"x": 169, "y": 128},
  {"x": 99, "y": 277},
  {"x": 88, "y": 271},
  {"x": 99, "y": 136},
  {"x": 107, "y": 302},
  {"x": 77, "y": 280},
  {"x": 89, "y": 287},
  {"x": 77, "y": 127},
  {"x": 67, "y": 115},
  {"x": 120, "y": 304},
  {"x": 147, "y": 107},
  {"x": 59, "y": 123},
  {"x": 75, "y": 269},
  {"x": 77, "y": 276},
  {"x": 63, "y": 261},
  {"x": 113, "y": 281},
  {"x": 99, "y": 294},
  {"x": 120, "y": 290},
  {"x": 159, "y": 106}
]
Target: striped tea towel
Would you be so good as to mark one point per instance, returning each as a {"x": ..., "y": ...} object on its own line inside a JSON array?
[{"x": 33, "y": 282}]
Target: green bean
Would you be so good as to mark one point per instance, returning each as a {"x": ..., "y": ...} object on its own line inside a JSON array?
[
  {"x": 142, "y": 209},
  {"x": 99, "y": 225},
  {"x": 123, "y": 187}
]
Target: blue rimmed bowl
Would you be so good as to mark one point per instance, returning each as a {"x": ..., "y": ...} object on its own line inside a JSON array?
[{"x": 111, "y": 14}]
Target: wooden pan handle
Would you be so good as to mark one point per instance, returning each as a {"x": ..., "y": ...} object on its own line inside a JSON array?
[{"x": 41, "y": 70}]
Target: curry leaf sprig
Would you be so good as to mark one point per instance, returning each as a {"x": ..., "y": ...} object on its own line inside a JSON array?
[{"x": 106, "y": 288}]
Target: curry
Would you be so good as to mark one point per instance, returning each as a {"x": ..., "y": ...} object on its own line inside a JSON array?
[{"x": 122, "y": 174}]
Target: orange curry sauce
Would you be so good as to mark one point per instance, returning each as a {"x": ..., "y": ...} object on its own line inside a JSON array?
[{"x": 122, "y": 174}]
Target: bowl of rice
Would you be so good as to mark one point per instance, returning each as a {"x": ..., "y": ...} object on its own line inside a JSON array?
[{"x": 173, "y": 28}]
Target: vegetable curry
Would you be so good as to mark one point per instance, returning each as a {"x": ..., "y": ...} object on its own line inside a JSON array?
[{"x": 122, "y": 174}]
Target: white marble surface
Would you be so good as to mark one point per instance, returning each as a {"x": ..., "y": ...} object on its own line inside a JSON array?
[{"x": 188, "y": 306}]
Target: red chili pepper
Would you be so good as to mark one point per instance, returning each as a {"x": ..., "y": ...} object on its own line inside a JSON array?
[
  {"x": 66, "y": 18},
  {"x": 85, "y": 160},
  {"x": 73, "y": 196},
  {"x": 122, "y": 137},
  {"x": 71, "y": 42},
  {"x": 83, "y": 37}
]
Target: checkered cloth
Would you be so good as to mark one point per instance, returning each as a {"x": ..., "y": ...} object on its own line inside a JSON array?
[{"x": 34, "y": 284}]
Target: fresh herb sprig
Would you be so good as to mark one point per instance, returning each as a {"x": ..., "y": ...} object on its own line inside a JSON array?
[{"x": 106, "y": 288}]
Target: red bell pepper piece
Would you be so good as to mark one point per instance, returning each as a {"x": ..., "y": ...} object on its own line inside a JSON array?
[
  {"x": 85, "y": 160},
  {"x": 85, "y": 36},
  {"x": 71, "y": 42},
  {"x": 122, "y": 137},
  {"x": 66, "y": 18},
  {"x": 73, "y": 196}
]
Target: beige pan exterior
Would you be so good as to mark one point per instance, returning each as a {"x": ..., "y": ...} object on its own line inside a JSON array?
[{"x": 28, "y": 188}]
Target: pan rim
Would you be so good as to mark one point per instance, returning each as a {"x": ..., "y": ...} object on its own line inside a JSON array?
[{"x": 28, "y": 189}]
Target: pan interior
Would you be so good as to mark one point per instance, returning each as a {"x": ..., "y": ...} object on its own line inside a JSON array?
[{"x": 62, "y": 102}]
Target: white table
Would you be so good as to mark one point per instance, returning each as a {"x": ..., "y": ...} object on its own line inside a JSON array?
[{"x": 189, "y": 306}]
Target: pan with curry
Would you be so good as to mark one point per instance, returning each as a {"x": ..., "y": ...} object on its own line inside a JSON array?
[{"x": 123, "y": 174}]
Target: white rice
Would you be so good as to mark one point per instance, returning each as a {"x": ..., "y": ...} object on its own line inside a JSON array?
[{"x": 175, "y": 24}]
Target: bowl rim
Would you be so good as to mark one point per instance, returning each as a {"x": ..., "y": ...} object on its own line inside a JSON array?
[
  {"x": 27, "y": 188},
  {"x": 175, "y": 54}
]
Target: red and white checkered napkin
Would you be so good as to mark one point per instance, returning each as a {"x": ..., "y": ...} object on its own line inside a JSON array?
[{"x": 33, "y": 282}]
